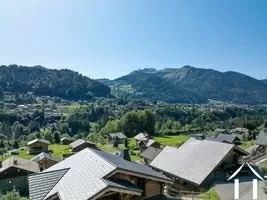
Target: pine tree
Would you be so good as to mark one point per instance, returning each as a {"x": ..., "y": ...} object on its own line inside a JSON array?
[
  {"x": 2, "y": 145},
  {"x": 16, "y": 144},
  {"x": 56, "y": 137},
  {"x": 126, "y": 143}
]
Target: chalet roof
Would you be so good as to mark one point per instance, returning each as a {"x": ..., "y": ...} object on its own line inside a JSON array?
[
  {"x": 87, "y": 176},
  {"x": 150, "y": 142},
  {"x": 150, "y": 153},
  {"x": 64, "y": 138},
  {"x": 45, "y": 155},
  {"x": 38, "y": 140},
  {"x": 220, "y": 130},
  {"x": 45, "y": 181},
  {"x": 119, "y": 135},
  {"x": 19, "y": 163},
  {"x": 262, "y": 139},
  {"x": 227, "y": 138},
  {"x": 141, "y": 136},
  {"x": 194, "y": 160},
  {"x": 79, "y": 142}
]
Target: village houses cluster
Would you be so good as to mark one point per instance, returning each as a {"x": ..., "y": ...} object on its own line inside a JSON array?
[{"x": 90, "y": 173}]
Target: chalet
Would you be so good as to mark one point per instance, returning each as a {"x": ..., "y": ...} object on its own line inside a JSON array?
[
  {"x": 120, "y": 137},
  {"x": 14, "y": 173},
  {"x": 141, "y": 137},
  {"x": 262, "y": 141},
  {"x": 183, "y": 163},
  {"x": 80, "y": 144},
  {"x": 144, "y": 144},
  {"x": 45, "y": 160},
  {"x": 149, "y": 154},
  {"x": 97, "y": 175},
  {"x": 221, "y": 131},
  {"x": 239, "y": 131},
  {"x": 65, "y": 141},
  {"x": 231, "y": 139},
  {"x": 38, "y": 146}
]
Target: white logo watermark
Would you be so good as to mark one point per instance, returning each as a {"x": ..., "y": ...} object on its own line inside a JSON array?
[{"x": 255, "y": 181}]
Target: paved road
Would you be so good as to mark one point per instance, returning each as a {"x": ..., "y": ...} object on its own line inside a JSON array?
[{"x": 226, "y": 190}]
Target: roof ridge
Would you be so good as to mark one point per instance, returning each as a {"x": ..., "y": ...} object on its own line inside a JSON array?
[
  {"x": 46, "y": 172},
  {"x": 41, "y": 173},
  {"x": 95, "y": 151}
]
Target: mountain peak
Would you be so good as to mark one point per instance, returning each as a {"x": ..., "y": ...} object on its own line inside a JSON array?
[
  {"x": 187, "y": 67},
  {"x": 148, "y": 70}
]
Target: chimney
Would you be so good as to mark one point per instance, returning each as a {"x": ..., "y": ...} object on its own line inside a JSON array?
[
  {"x": 200, "y": 137},
  {"x": 125, "y": 154},
  {"x": 15, "y": 162}
]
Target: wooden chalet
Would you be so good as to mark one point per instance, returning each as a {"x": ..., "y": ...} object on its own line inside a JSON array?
[
  {"x": 183, "y": 163},
  {"x": 80, "y": 144},
  {"x": 97, "y": 175},
  {"x": 14, "y": 174},
  {"x": 120, "y": 137},
  {"x": 45, "y": 160},
  {"x": 37, "y": 146}
]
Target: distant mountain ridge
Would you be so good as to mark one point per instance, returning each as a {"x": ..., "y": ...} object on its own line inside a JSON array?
[
  {"x": 190, "y": 85},
  {"x": 62, "y": 83},
  {"x": 264, "y": 81}
]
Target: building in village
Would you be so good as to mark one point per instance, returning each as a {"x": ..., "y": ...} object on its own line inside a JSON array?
[
  {"x": 141, "y": 137},
  {"x": 45, "y": 160},
  {"x": 239, "y": 131},
  {"x": 149, "y": 154},
  {"x": 65, "y": 141},
  {"x": 14, "y": 174},
  {"x": 221, "y": 131},
  {"x": 231, "y": 139},
  {"x": 261, "y": 141},
  {"x": 37, "y": 146},
  {"x": 80, "y": 144},
  {"x": 144, "y": 144},
  {"x": 97, "y": 175},
  {"x": 120, "y": 137},
  {"x": 197, "y": 162}
]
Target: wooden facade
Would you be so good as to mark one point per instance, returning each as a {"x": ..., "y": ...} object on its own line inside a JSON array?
[
  {"x": 150, "y": 188},
  {"x": 46, "y": 163},
  {"x": 14, "y": 178},
  {"x": 38, "y": 147}
]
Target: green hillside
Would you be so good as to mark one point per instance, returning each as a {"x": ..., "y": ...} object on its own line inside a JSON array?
[
  {"x": 190, "y": 85},
  {"x": 47, "y": 82}
]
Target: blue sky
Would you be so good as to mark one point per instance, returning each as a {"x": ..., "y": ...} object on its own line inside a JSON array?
[{"x": 110, "y": 38}]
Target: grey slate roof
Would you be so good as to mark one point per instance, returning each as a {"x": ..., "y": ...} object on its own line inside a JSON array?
[
  {"x": 85, "y": 176},
  {"x": 131, "y": 166},
  {"x": 262, "y": 139},
  {"x": 38, "y": 140},
  {"x": 42, "y": 183},
  {"x": 150, "y": 153},
  {"x": 20, "y": 163},
  {"x": 193, "y": 161},
  {"x": 45, "y": 155},
  {"x": 119, "y": 135},
  {"x": 226, "y": 137}
]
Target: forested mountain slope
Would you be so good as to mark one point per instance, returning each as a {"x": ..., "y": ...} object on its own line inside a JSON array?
[
  {"x": 42, "y": 81},
  {"x": 189, "y": 84}
]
